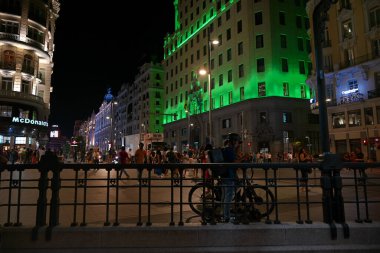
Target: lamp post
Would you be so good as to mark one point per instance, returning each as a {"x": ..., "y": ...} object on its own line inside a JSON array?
[
  {"x": 111, "y": 117},
  {"x": 208, "y": 72},
  {"x": 188, "y": 128}
]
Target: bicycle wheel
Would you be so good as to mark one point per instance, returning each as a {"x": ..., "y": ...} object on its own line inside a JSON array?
[
  {"x": 264, "y": 200},
  {"x": 261, "y": 201},
  {"x": 199, "y": 199}
]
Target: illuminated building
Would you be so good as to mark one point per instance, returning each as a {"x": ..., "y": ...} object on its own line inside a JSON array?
[
  {"x": 258, "y": 74},
  {"x": 104, "y": 123},
  {"x": 26, "y": 63},
  {"x": 351, "y": 61},
  {"x": 140, "y": 114}
]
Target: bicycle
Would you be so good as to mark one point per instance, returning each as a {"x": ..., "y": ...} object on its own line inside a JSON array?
[{"x": 253, "y": 201}]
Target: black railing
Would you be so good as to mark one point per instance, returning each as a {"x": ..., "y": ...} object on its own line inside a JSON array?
[{"x": 93, "y": 194}]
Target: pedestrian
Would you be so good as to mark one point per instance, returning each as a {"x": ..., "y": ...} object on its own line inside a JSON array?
[
  {"x": 228, "y": 179},
  {"x": 140, "y": 158},
  {"x": 359, "y": 157},
  {"x": 3, "y": 158},
  {"x": 123, "y": 158},
  {"x": 304, "y": 157}
]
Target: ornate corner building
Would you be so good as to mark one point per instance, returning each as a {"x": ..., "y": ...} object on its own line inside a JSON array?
[
  {"x": 27, "y": 30},
  {"x": 351, "y": 66}
]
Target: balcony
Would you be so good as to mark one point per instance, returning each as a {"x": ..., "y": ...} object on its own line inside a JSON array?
[
  {"x": 9, "y": 36},
  {"x": 373, "y": 93},
  {"x": 358, "y": 60},
  {"x": 21, "y": 96}
]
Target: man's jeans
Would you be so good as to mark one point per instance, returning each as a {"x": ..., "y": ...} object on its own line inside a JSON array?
[{"x": 228, "y": 191}]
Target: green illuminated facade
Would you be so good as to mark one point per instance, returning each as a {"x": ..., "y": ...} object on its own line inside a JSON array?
[{"x": 263, "y": 56}]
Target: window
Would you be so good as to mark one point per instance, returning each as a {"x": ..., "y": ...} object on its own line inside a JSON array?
[
  {"x": 6, "y": 83},
  {"x": 239, "y": 26},
  {"x": 285, "y": 87},
  {"x": 229, "y": 54},
  {"x": 230, "y": 97},
  {"x": 25, "y": 86},
  {"x": 9, "y": 27},
  {"x": 300, "y": 44},
  {"x": 229, "y": 76},
  {"x": 308, "y": 46},
  {"x": 354, "y": 118},
  {"x": 303, "y": 91},
  {"x": 352, "y": 84},
  {"x": 347, "y": 29},
  {"x": 228, "y": 14},
  {"x": 260, "y": 65},
  {"x": 374, "y": 17},
  {"x": 259, "y": 41},
  {"x": 220, "y": 39},
  {"x": 226, "y": 123},
  {"x": 228, "y": 34},
  {"x": 301, "y": 65},
  {"x": 261, "y": 89},
  {"x": 9, "y": 60},
  {"x": 220, "y": 59},
  {"x": 283, "y": 41},
  {"x": 376, "y": 47},
  {"x": 20, "y": 140},
  {"x": 221, "y": 101},
  {"x": 241, "y": 70},
  {"x": 284, "y": 65},
  {"x": 282, "y": 18},
  {"x": 240, "y": 48},
  {"x": 35, "y": 34},
  {"x": 258, "y": 18},
  {"x": 5, "y": 111},
  {"x": 238, "y": 6},
  {"x": 299, "y": 22},
  {"x": 220, "y": 79},
  {"x": 338, "y": 120},
  {"x": 286, "y": 117},
  {"x": 368, "y": 116},
  {"x": 241, "y": 93}
]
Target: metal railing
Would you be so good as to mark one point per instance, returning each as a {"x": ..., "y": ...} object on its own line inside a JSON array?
[{"x": 93, "y": 194}]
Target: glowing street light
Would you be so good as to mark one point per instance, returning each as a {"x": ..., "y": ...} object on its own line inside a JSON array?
[{"x": 207, "y": 72}]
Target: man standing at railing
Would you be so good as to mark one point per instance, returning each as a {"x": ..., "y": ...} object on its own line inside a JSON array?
[{"x": 230, "y": 151}]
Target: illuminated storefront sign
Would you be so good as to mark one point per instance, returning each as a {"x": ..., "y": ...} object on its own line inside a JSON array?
[
  {"x": 349, "y": 91},
  {"x": 30, "y": 121}
]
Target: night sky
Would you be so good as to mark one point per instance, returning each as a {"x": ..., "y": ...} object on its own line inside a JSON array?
[{"x": 99, "y": 46}]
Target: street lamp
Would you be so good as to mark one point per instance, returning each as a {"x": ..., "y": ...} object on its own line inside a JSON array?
[
  {"x": 111, "y": 117},
  {"x": 208, "y": 72},
  {"x": 309, "y": 144}
]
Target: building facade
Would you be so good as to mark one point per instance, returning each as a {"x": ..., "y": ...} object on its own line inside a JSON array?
[
  {"x": 26, "y": 64},
  {"x": 141, "y": 107},
  {"x": 257, "y": 75},
  {"x": 351, "y": 59}
]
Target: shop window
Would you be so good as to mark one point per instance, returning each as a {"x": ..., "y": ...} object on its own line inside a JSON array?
[
  {"x": 338, "y": 120},
  {"x": 354, "y": 118},
  {"x": 368, "y": 115}
]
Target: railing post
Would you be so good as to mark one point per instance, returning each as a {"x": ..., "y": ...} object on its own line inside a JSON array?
[
  {"x": 41, "y": 201},
  {"x": 331, "y": 183},
  {"x": 54, "y": 203}
]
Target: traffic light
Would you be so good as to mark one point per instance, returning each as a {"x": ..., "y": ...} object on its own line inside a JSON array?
[
  {"x": 249, "y": 144},
  {"x": 365, "y": 142}
]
